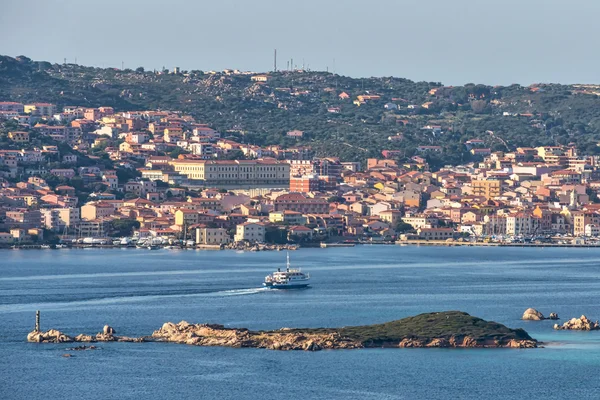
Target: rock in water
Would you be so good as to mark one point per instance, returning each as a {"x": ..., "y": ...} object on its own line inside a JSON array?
[
  {"x": 578, "y": 324},
  {"x": 553, "y": 316},
  {"x": 108, "y": 330},
  {"x": 51, "y": 336},
  {"x": 531, "y": 314}
]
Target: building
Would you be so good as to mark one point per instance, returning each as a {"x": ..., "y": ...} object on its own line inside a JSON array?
[
  {"x": 581, "y": 219},
  {"x": 111, "y": 180},
  {"x": 299, "y": 232},
  {"x": 487, "y": 188},
  {"x": 56, "y": 219},
  {"x": 295, "y": 133},
  {"x": 435, "y": 233},
  {"x": 12, "y": 107},
  {"x": 520, "y": 224},
  {"x": 93, "y": 228},
  {"x": 302, "y": 167},
  {"x": 259, "y": 78},
  {"x": 287, "y": 217},
  {"x": 420, "y": 221},
  {"x": 64, "y": 173},
  {"x": 300, "y": 203},
  {"x": 40, "y": 109},
  {"x": 214, "y": 236},
  {"x": 268, "y": 173},
  {"x": 312, "y": 183},
  {"x": 392, "y": 217},
  {"x": 592, "y": 230},
  {"x": 18, "y": 136},
  {"x": 24, "y": 219},
  {"x": 250, "y": 231},
  {"x": 93, "y": 211},
  {"x": 186, "y": 217}
]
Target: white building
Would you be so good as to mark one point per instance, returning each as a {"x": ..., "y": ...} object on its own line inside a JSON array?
[
  {"x": 250, "y": 231},
  {"x": 592, "y": 230},
  {"x": 215, "y": 236}
]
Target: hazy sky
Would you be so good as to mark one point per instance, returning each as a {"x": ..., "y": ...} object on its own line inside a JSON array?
[{"x": 455, "y": 42}]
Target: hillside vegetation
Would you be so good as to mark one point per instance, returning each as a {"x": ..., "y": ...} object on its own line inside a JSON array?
[
  {"x": 262, "y": 113},
  {"x": 441, "y": 325}
]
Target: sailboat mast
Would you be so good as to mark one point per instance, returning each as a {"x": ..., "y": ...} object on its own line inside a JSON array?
[{"x": 288, "y": 261}]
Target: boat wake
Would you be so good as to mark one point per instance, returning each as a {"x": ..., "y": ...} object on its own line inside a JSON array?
[
  {"x": 241, "y": 292},
  {"x": 66, "y": 305}
]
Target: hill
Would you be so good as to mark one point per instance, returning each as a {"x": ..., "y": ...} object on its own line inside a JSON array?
[{"x": 418, "y": 113}]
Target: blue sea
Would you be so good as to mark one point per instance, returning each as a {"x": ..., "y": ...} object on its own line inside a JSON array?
[{"x": 136, "y": 291}]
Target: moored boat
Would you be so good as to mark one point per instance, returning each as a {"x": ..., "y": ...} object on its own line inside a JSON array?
[{"x": 325, "y": 245}]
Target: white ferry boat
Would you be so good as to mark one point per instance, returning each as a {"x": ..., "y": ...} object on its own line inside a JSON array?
[{"x": 291, "y": 278}]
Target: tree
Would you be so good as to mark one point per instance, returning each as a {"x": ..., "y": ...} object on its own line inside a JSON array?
[
  {"x": 176, "y": 152},
  {"x": 478, "y": 106},
  {"x": 235, "y": 155},
  {"x": 403, "y": 227},
  {"x": 275, "y": 234},
  {"x": 124, "y": 227},
  {"x": 139, "y": 70},
  {"x": 126, "y": 174}
]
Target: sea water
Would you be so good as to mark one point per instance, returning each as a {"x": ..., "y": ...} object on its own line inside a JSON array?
[{"x": 136, "y": 291}]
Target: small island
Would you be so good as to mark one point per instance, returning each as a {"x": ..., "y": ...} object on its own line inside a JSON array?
[{"x": 451, "y": 329}]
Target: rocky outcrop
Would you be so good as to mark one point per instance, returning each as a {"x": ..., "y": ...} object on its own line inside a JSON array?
[
  {"x": 445, "y": 329},
  {"x": 531, "y": 314},
  {"x": 51, "y": 336},
  {"x": 108, "y": 330},
  {"x": 218, "y": 335},
  {"x": 55, "y": 336},
  {"x": 466, "y": 342},
  {"x": 578, "y": 324}
]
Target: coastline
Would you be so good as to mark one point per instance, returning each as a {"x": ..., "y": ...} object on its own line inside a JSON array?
[{"x": 318, "y": 246}]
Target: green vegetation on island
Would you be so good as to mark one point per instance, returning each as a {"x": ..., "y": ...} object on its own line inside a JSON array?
[{"x": 441, "y": 325}]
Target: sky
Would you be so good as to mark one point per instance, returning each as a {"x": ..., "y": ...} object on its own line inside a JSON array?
[{"x": 496, "y": 42}]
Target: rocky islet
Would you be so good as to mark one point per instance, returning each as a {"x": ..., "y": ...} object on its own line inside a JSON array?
[{"x": 450, "y": 329}]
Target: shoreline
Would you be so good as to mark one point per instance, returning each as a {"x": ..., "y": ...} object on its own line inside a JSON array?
[{"x": 313, "y": 246}]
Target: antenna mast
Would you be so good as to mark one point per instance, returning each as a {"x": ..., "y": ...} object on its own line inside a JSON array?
[{"x": 275, "y": 61}]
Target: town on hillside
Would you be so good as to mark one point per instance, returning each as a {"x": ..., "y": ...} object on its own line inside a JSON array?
[{"x": 77, "y": 175}]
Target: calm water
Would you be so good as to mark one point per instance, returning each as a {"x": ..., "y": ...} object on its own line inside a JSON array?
[{"x": 135, "y": 291}]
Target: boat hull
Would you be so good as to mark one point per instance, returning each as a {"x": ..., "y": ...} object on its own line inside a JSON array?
[{"x": 286, "y": 286}]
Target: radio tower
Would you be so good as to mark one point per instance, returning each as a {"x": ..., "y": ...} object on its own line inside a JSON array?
[{"x": 275, "y": 61}]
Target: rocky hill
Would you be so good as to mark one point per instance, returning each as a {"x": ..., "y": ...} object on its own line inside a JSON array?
[{"x": 262, "y": 112}]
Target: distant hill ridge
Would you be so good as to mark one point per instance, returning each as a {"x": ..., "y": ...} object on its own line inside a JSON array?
[{"x": 341, "y": 116}]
